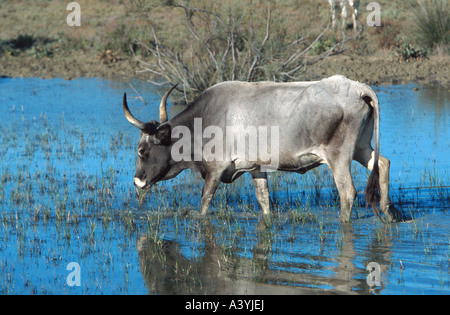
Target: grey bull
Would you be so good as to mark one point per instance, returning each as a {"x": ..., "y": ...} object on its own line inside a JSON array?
[{"x": 331, "y": 122}]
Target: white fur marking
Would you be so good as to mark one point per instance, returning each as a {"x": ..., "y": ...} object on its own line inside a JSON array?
[
  {"x": 139, "y": 183},
  {"x": 371, "y": 162}
]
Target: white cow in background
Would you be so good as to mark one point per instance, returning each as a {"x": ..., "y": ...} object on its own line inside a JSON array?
[{"x": 334, "y": 6}]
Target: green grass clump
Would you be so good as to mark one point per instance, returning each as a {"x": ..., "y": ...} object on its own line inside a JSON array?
[{"x": 432, "y": 18}]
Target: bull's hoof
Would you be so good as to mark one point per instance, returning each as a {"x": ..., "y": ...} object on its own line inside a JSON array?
[
  {"x": 197, "y": 215},
  {"x": 345, "y": 219},
  {"x": 393, "y": 215}
]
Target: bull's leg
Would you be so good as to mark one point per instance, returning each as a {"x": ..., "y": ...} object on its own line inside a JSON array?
[
  {"x": 355, "y": 5},
  {"x": 365, "y": 157},
  {"x": 344, "y": 183},
  {"x": 262, "y": 190},
  {"x": 212, "y": 181},
  {"x": 343, "y": 14},
  {"x": 333, "y": 8}
]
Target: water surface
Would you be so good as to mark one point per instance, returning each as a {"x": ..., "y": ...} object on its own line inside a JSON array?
[{"x": 67, "y": 161}]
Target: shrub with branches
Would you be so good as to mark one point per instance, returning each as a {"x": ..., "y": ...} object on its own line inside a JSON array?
[{"x": 230, "y": 40}]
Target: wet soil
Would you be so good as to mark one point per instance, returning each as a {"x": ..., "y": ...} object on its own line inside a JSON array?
[
  {"x": 375, "y": 70},
  {"x": 76, "y": 65},
  {"x": 387, "y": 69}
]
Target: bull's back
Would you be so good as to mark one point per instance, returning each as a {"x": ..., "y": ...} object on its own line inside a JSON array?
[
  {"x": 305, "y": 111},
  {"x": 252, "y": 104}
]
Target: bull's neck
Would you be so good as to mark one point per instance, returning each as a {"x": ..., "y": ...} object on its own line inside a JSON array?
[
  {"x": 186, "y": 119},
  {"x": 178, "y": 167}
]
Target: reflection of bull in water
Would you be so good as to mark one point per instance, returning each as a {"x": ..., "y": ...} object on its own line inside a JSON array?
[{"x": 220, "y": 271}]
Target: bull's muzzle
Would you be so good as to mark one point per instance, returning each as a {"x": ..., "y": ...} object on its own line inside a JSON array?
[{"x": 139, "y": 183}]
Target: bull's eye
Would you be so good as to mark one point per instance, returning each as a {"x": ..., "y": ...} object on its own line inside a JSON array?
[{"x": 143, "y": 153}]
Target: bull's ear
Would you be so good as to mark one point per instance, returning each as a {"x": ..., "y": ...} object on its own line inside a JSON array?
[{"x": 163, "y": 134}]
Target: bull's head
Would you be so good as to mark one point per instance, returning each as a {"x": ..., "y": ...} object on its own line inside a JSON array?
[{"x": 154, "y": 158}]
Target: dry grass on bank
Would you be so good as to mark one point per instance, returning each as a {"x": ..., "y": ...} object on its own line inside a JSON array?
[{"x": 36, "y": 41}]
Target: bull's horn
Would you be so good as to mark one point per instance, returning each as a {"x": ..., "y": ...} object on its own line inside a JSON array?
[
  {"x": 163, "y": 105},
  {"x": 138, "y": 124}
]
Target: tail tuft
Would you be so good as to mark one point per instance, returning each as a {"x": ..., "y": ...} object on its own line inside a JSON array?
[{"x": 372, "y": 191}]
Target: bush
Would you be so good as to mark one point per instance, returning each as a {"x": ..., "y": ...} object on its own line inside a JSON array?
[
  {"x": 325, "y": 44},
  {"x": 200, "y": 43},
  {"x": 433, "y": 24},
  {"x": 29, "y": 44},
  {"x": 408, "y": 52}
]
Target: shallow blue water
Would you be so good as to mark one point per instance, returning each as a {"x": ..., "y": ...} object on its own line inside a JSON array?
[{"x": 67, "y": 161}]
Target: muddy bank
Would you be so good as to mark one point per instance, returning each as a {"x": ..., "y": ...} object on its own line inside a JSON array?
[
  {"x": 374, "y": 70},
  {"x": 387, "y": 69},
  {"x": 68, "y": 67}
]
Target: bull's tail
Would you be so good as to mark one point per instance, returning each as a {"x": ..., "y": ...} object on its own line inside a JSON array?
[{"x": 372, "y": 191}]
